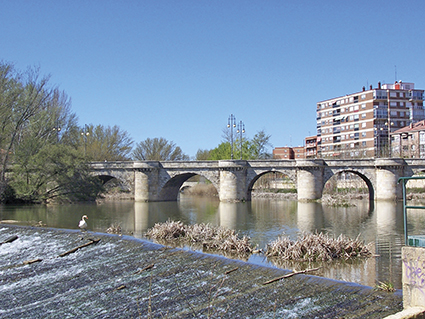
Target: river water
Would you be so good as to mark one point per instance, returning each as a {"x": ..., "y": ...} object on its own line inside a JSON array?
[{"x": 263, "y": 220}]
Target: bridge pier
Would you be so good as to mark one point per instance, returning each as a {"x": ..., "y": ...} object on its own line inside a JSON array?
[
  {"x": 309, "y": 179},
  {"x": 145, "y": 181},
  {"x": 232, "y": 181},
  {"x": 388, "y": 170}
]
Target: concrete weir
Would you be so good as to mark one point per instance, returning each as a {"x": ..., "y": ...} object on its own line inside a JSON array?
[{"x": 122, "y": 277}]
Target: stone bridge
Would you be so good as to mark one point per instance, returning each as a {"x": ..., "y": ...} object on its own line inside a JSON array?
[{"x": 234, "y": 179}]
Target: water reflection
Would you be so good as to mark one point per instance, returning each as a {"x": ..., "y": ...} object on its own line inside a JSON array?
[
  {"x": 310, "y": 217},
  {"x": 261, "y": 219}
]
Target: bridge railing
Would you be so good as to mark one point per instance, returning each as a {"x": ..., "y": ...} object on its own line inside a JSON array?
[{"x": 414, "y": 240}]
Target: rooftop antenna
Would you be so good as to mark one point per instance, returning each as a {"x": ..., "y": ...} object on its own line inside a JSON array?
[{"x": 395, "y": 72}]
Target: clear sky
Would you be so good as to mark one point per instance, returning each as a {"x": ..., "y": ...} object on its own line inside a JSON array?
[{"x": 178, "y": 68}]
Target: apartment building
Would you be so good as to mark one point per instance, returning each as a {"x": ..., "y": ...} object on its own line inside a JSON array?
[
  {"x": 357, "y": 125},
  {"x": 409, "y": 141},
  {"x": 310, "y": 147},
  {"x": 283, "y": 153},
  {"x": 296, "y": 152}
]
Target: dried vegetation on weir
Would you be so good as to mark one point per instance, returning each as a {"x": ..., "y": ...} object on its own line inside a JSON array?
[
  {"x": 211, "y": 237},
  {"x": 309, "y": 247}
]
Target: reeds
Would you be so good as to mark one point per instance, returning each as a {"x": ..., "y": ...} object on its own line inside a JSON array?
[
  {"x": 317, "y": 247},
  {"x": 211, "y": 237}
]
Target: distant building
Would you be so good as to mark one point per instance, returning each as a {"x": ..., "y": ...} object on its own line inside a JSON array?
[
  {"x": 283, "y": 153},
  {"x": 409, "y": 141},
  {"x": 289, "y": 152},
  {"x": 357, "y": 125},
  {"x": 310, "y": 147},
  {"x": 298, "y": 152}
]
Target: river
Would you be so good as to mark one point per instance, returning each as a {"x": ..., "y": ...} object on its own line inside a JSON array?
[{"x": 263, "y": 220}]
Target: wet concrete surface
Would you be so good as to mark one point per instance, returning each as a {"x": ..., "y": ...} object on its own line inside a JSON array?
[{"x": 123, "y": 277}]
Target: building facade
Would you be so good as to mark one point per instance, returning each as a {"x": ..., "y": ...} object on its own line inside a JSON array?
[
  {"x": 358, "y": 125},
  {"x": 310, "y": 147},
  {"x": 283, "y": 153},
  {"x": 409, "y": 141},
  {"x": 295, "y": 152}
]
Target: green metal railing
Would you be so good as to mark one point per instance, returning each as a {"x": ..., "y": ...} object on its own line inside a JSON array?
[{"x": 404, "y": 181}]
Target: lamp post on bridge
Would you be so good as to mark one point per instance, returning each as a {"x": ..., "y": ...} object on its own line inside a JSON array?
[
  {"x": 57, "y": 129},
  {"x": 85, "y": 133},
  {"x": 231, "y": 124},
  {"x": 241, "y": 130}
]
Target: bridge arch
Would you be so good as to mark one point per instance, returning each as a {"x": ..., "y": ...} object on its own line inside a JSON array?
[
  {"x": 363, "y": 175},
  {"x": 253, "y": 178},
  {"x": 124, "y": 183},
  {"x": 169, "y": 188}
]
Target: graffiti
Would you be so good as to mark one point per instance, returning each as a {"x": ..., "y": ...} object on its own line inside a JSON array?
[{"x": 414, "y": 271}]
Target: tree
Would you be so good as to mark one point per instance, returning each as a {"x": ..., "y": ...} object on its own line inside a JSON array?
[
  {"x": 105, "y": 143},
  {"x": 259, "y": 145},
  {"x": 158, "y": 149},
  {"x": 202, "y": 155},
  {"x": 251, "y": 149},
  {"x": 221, "y": 152},
  {"x": 54, "y": 172},
  {"x": 37, "y": 141}
]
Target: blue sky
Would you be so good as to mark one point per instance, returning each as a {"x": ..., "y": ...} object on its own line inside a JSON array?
[{"x": 178, "y": 69}]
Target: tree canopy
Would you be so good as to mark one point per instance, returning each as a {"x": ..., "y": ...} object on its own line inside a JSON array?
[
  {"x": 38, "y": 141},
  {"x": 256, "y": 148},
  {"x": 158, "y": 149},
  {"x": 100, "y": 143}
]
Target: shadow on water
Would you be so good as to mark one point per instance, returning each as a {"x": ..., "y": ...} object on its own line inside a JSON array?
[{"x": 263, "y": 220}]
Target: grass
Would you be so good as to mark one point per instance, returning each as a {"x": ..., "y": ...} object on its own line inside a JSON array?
[{"x": 385, "y": 286}]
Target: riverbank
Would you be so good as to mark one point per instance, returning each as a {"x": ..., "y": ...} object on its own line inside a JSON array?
[{"x": 121, "y": 277}]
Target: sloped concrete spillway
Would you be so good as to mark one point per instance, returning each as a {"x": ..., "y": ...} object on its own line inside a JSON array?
[{"x": 120, "y": 277}]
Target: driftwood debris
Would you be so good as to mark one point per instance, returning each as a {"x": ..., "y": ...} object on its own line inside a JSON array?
[
  {"x": 29, "y": 262},
  {"x": 116, "y": 289},
  {"x": 9, "y": 240},
  {"x": 290, "y": 275},
  {"x": 146, "y": 268},
  {"x": 231, "y": 270},
  {"x": 91, "y": 242}
]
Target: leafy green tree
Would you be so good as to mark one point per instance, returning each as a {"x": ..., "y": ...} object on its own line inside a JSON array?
[
  {"x": 99, "y": 143},
  {"x": 251, "y": 149},
  {"x": 54, "y": 172},
  {"x": 221, "y": 152},
  {"x": 158, "y": 149},
  {"x": 38, "y": 143}
]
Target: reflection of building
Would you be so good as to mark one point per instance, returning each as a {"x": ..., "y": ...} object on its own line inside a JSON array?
[
  {"x": 409, "y": 141},
  {"x": 357, "y": 125}
]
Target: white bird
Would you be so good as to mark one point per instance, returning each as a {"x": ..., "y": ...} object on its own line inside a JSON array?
[{"x": 82, "y": 224}]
